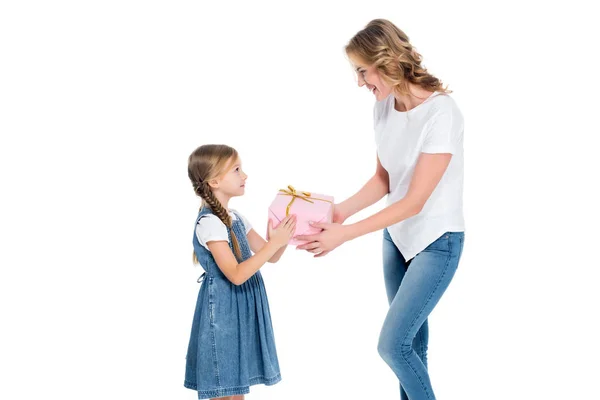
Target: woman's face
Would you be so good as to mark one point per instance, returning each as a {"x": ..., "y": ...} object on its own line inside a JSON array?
[{"x": 369, "y": 76}]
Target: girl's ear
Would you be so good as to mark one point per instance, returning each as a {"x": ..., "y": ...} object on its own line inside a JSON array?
[{"x": 214, "y": 183}]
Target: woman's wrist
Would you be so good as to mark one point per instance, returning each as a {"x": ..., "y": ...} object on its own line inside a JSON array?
[
  {"x": 350, "y": 232},
  {"x": 341, "y": 211}
]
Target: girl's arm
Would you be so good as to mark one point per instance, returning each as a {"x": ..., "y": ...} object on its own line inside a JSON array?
[
  {"x": 373, "y": 191},
  {"x": 257, "y": 243},
  {"x": 238, "y": 273}
]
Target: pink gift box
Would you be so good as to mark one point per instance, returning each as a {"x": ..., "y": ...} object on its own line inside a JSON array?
[{"x": 305, "y": 206}]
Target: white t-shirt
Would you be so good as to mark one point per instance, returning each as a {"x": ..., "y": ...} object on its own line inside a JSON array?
[
  {"x": 210, "y": 227},
  {"x": 434, "y": 126}
]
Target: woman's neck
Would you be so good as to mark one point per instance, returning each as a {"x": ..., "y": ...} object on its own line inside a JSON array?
[{"x": 416, "y": 96}]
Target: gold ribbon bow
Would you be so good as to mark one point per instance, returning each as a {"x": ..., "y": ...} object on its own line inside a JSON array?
[{"x": 306, "y": 196}]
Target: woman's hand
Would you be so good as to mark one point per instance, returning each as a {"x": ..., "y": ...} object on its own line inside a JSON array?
[{"x": 332, "y": 236}]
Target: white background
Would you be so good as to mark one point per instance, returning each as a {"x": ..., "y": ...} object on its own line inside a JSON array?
[{"x": 102, "y": 102}]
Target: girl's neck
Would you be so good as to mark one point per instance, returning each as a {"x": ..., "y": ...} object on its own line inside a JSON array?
[{"x": 223, "y": 199}]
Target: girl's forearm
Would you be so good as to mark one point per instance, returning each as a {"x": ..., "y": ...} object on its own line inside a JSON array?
[
  {"x": 277, "y": 255},
  {"x": 246, "y": 269}
]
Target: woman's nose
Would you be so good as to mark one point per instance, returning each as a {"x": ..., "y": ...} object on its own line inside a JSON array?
[{"x": 361, "y": 81}]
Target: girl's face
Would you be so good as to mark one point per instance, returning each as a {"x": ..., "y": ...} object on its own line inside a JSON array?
[
  {"x": 233, "y": 181},
  {"x": 369, "y": 76}
]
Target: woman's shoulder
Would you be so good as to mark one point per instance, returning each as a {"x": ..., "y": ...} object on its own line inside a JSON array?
[{"x": 444, "y": 104}]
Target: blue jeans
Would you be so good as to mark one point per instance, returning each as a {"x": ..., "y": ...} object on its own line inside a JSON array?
[{"x": 413, "y": 289}]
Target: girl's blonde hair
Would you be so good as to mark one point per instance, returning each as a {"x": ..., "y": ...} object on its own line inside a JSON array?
[
  {"x": 208, "y": 162},
  {"x": 383, "y": 45}
]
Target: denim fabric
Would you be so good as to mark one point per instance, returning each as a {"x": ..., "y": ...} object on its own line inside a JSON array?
[
  {"x": 232, "y": 345},
  {"x": 413, "y": 289}
]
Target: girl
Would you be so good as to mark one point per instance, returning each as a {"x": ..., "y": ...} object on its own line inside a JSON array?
[
  {"x": 419, "y": 138},
  {"x": 231, "y": 345}
]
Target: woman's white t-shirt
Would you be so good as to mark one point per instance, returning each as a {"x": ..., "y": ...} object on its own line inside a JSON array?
[
  {"x": 210, "y": 228},
  {"x": 434, "y": 126}
]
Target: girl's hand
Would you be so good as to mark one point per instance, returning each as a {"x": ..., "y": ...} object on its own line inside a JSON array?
[
  {"x": 332, "y": 236},
  {"x": 281, "y": 235}
]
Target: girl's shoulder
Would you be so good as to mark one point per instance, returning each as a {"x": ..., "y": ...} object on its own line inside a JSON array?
[
  {"x": 210, "y": 222},
  {"x": 210, "y": 228},
  {"x": 241, "y": 216},
  {"x": 235, "y": 213}
]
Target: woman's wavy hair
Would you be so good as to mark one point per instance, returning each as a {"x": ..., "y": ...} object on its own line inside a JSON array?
[{"x": 383, "y": 45}]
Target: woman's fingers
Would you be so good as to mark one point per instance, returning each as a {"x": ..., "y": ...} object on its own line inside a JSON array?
[{"x": 308, "y": 246}]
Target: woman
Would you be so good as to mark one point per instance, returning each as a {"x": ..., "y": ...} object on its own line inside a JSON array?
[{"x": 419, "y": 138}]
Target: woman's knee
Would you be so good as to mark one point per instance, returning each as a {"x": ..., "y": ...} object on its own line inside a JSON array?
[
  {"x": 384, "y": 350},
  {"x": 392, "y": 350}
]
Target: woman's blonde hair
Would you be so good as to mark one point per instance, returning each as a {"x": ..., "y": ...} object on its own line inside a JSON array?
[
  {"x": 383, "y": 45},
  {"x": 208, "y": 162}
]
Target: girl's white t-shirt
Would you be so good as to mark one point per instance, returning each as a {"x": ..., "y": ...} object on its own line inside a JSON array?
[
  {"x": 434, "y": 126},
  {"x": 210, "y": 227}
]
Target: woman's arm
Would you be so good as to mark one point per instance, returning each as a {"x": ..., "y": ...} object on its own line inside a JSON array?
[
  {"x": 369, "y": 194},
  {"x": 428, "y": 172}
]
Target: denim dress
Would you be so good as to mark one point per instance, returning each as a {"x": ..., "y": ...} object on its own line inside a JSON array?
[{"x": 231, "y": 345}]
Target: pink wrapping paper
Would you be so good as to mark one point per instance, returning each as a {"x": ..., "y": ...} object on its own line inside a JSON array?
[{"x": 305, "y": 211}]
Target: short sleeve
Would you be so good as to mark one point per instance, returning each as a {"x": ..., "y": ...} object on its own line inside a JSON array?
[
  {"x": 444, "y": 133},
  {"x": 211, "y": 228}
]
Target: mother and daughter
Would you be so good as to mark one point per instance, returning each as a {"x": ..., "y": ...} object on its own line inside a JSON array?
[{"x": 419, "y": 140}]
